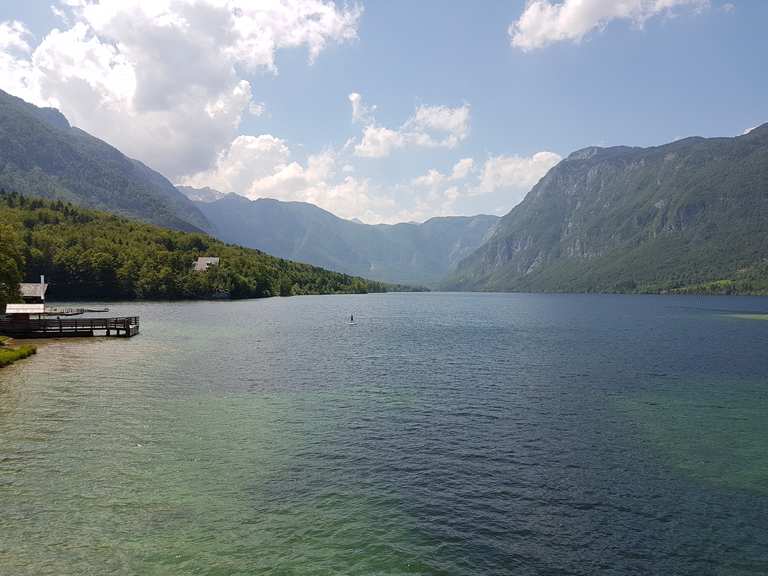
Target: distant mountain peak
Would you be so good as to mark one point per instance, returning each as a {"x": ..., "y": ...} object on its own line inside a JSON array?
[
  {"x": 409, "y": 253},
  {"x": 584, "y": 153},
  {"x": 201, "y": 194},
  {"x": 759, "y": 130},
  {"x": 55, "y": 118},
  {"x": 633, "y": 219}
]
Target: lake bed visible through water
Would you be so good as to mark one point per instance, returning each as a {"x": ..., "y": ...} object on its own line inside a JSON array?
[{"x": 460, "y": 434}]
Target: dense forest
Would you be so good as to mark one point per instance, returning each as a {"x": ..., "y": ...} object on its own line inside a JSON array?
[{"x": 87, "y": 254}]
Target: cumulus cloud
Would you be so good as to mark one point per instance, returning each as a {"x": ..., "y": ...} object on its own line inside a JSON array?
[
  {"x": 379, "y": 142},
  {"x": 263, "y": 167},
  {"x": 514, "y": 174},
  {"x": 506, "y": 178},
  {"x": 462, "y": 168},
  {"x": 428, "y": 127},
  {"x": 13, "y": 36},
  {"x": 434, "y": 178},
  {"x": 162, "y": 80},
  {"x": 545, "y": 22}
]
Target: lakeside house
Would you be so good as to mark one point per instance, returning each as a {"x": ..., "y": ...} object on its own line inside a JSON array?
[
  {"x": 34, "y": 293},
  {"x": 204, "y": 262},
  {"x": 33, "y": 296}
]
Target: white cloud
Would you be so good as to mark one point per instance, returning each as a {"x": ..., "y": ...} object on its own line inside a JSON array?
[
  {"x": 515, "y": 175},
  {"x": 379, "y": 142},
  {"x": 257, "y": 108},
  {"x": 728, "y": 7},
  {"x": 263, "y": 167},
  {"x": 462, "y": 168},
  {"x": 428, "y": 127},
  {"x": 162, "y": 80},
  {"x": 544, "y": 22},
  {"x": 433, "y": 178},
  {"x": 505, "y": 178},
  {"x": 360, "y": 112},
  {"x": 13, "y": 36},
  {"x": 442, "y": 119}
]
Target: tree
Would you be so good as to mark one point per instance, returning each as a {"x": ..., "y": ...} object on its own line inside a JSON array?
[{"x": 11, "y": 264}]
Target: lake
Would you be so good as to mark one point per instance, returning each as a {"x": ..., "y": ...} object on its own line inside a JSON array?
[{"x": 455, "y": 434}]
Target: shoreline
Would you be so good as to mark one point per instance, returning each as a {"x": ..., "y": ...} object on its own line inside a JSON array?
[{"x": 11, "y": 352}]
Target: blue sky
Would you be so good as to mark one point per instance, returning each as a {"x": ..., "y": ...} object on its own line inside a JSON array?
[{"x": 474, "y": 101}]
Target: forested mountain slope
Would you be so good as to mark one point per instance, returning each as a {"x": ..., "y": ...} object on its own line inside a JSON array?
[
  {"x": 87, "y": 254},
  {"x": 687, "y": 216},
  {"x": 42, "y": 155}
]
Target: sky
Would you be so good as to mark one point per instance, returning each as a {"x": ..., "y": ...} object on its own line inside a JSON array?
[{"x": 386, "y": 110}]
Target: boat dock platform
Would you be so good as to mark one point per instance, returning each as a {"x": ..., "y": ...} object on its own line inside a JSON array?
[{"x": 57, "y": 327}]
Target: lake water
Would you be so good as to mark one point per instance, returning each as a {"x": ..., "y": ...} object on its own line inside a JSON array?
[{"x": 456, "y": 434}]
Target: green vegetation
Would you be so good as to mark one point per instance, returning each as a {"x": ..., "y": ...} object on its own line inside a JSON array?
[
  {"x": 42, "y": 155},
  {"x": 10, "y": 354},
  {"x": 92, "y": 255},
  {"x": 11, "y": 264},
  {"x": 687, "y": 217},
  {"x": 713, "y": 432}
]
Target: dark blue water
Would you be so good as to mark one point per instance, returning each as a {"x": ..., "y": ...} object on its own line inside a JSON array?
[{"x": 443, "y": 434}]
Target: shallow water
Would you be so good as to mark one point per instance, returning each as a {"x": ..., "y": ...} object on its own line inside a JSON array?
[{"x": 443, "y": 434}]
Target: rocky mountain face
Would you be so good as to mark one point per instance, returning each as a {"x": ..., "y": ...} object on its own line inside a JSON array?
[
  {"x": 414, "y": 254},
  {"x": 671, "y": 217},
  {"x": 42, "y": 155}
]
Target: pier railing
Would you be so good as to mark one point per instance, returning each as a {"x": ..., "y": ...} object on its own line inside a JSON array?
[{"x": 53, "y": 327}]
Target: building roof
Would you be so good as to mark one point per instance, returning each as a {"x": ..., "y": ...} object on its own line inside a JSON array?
[
  {"x": 36, "y": 290},
  {"x": 203, "y": 263},
  {"x": 25, "y": 309}
]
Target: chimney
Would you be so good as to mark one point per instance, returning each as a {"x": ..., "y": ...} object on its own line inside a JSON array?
[{"x": 42, "y": 286}]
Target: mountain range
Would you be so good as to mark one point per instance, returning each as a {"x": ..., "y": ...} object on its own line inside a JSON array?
[
  {"x": 687, "y": 216},
  {"x": 42, "y": 155},
  {"x": 406, "y": 253}
]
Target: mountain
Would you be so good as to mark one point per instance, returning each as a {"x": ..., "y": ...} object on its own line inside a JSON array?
[
  {"x": 201, "y": 194},
  {"x": 403, "y": 253},
  {"x": 687, "y": 216},
  {"x": 42, "y": 155}
]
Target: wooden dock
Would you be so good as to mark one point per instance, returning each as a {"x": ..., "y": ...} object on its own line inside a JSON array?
[{"x": 62, "y": 327}]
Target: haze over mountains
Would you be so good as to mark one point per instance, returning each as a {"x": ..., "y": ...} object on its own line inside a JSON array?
[
  {"x": 406, "y": 253},
  {"x": 687, "y": 216},
  {"x": 672, "y": 217}
]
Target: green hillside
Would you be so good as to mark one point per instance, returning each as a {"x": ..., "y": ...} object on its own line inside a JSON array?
[
  {"x": 42, "y": 155},
  {"x": 690, "y": 216},
  {"x": 92, "y": 255}
]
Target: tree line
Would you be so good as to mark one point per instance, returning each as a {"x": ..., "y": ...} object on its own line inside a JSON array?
[{"x": 86, "y": 254}]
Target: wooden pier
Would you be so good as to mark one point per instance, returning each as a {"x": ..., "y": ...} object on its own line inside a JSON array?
[{"x": 61, "y": 327}]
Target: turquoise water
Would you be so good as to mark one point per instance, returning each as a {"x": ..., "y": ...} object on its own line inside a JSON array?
[{"x": 446, "y": 434}]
